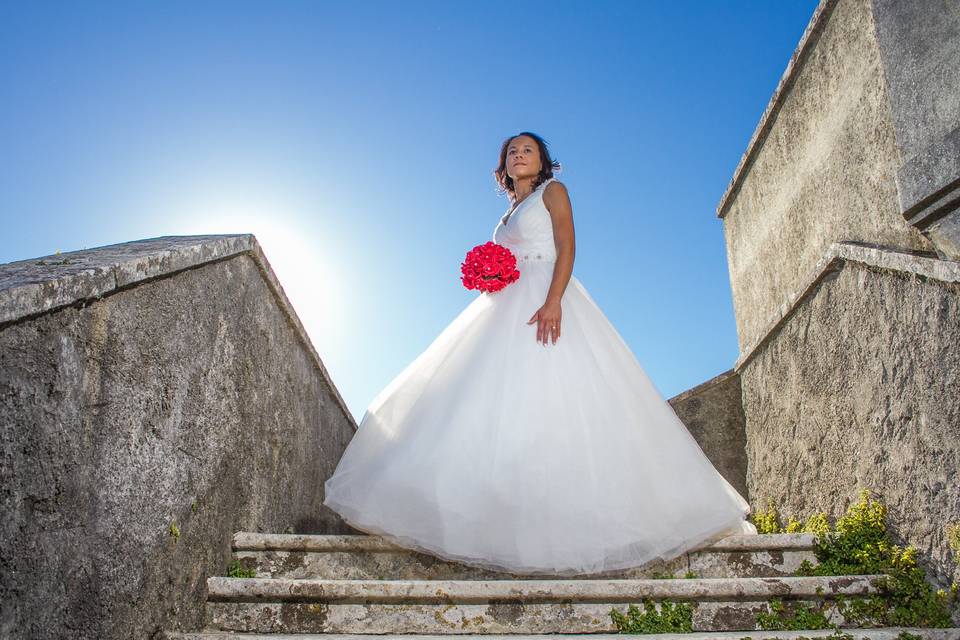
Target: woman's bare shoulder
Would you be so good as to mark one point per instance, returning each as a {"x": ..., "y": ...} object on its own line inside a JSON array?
[{"x": 555, "y": 190}]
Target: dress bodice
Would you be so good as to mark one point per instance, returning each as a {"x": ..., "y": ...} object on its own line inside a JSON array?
[{"x": 528, "y": 231}]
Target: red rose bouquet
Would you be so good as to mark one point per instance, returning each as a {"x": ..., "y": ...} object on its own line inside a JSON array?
[{"x": 489, "y": 267}]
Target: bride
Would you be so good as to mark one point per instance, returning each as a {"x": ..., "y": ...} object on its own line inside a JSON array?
[{"x": 527, "y": 438}]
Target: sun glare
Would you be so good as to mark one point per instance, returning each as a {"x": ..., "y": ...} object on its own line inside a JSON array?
[{"x": 303, "y": 263}]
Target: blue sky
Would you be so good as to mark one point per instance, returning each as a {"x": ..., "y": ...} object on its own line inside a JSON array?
[{"x": 357, "y": 140}]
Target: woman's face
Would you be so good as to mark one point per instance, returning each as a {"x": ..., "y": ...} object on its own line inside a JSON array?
[{"x": 523, "y": 158}]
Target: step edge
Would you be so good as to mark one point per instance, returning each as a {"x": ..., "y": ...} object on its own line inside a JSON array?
[
  {"x": 875, "y": 633},
  {"x": 226, "y": 589},
  {"x": 254, "y": 541}
]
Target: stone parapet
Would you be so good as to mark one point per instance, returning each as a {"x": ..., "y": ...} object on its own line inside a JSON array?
[
  {"x": 713, "y": 414},
  {"x": 858, "y": 144},
  {"x": 853, "y": 384},
  {"x": 155, "y": 397},
  {"x": 31, "y": 287}
]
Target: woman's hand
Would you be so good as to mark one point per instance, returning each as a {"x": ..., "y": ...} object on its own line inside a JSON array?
[{"x": 548, "y": 321}]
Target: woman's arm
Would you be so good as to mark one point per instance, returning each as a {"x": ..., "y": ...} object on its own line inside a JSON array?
[
  {"x": 557, "y": 201},
  {"x": 561, "y": 214}
]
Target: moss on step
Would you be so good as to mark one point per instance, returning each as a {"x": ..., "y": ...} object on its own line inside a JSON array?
[
  {"x": 859, "y": 543},
  {"x": 670, "y": 618},
  {"x": 237, "y": 570},
  {"x": 801, "y": 616},
  {"x": 768, "y": 521}
]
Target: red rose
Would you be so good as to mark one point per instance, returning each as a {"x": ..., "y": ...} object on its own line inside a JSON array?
[{"x": 489, "y": 267}]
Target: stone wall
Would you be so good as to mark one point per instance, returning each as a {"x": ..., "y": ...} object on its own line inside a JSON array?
[
  {"x": 713, "y": 414},
  {"x": 155, "y": 398},
  {"x": 920, "y": 48},
  {"x": 847, "y": 319},
  {"x": 856, "y": 385},
  {"x": 821, "y": 167}
]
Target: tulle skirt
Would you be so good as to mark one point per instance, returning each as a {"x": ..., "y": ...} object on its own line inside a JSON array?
[{"x": 493, "y": 450}]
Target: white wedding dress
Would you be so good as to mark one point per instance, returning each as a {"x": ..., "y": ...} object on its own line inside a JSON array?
[{"x": 493, "y": 450}]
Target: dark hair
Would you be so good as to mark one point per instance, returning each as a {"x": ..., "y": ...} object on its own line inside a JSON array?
[{"x": 547, "y": 164}]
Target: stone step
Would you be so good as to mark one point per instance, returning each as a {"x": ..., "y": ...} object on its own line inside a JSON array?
[
  {"x": 884, "y": 633},
  {"x": 365, "y": 557},
  {"x": 502, "y": 606}
]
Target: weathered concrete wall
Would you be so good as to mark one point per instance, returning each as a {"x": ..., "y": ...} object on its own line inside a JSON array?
[
  {"x": 713, "y": 414},
  {"x": 847, "y": 322},
  {"x": 176, "y": 387},
  {"x": 920, "y": 47},
  {"x": 857, "y": 386},
  {"x": 820, "y": 168}
]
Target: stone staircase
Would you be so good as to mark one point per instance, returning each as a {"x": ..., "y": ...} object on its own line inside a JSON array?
[{"x": 338, "y": 586}]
